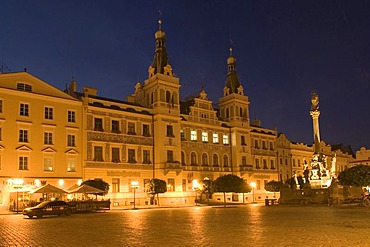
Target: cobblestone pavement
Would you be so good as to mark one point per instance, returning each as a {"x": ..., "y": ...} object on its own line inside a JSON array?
[{"x": 249, "y": 225}]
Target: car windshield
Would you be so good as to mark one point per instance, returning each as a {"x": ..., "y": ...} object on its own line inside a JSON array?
[{"x": 43, "y": 204}]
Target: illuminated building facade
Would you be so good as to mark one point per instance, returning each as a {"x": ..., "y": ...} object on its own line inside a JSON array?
[{"x": 40, "y": 134}]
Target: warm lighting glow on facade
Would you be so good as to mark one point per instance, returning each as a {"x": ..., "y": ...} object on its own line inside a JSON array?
[
  {"x": 253, "y": 184},
  {"x": 61, "y": 182}
]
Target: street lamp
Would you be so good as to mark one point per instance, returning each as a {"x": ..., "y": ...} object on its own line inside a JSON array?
[
  {"x": 196, "y": 188},
  {"x": 134, "y": 185},
  {"x": 253, "y": 185},
  {"x": 17, "y": 184}
]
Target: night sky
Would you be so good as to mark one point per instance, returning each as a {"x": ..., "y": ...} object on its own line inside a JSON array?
[{"x": 284, "y": 50}]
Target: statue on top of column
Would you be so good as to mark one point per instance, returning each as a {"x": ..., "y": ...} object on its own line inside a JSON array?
[{"x": 314, "y": 101}]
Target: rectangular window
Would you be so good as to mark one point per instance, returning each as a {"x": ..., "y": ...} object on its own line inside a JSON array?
[
  {"x": 293, "y": 162},
  {"x": 48, "y": 113},
  {"x": 24, "y": 87},
  {"x": 256, "y": 143},
  {"x": 271, "y": 146},
  {"x": 146, "y": 157},
  {"x": 71, "y": 140},
  {"x": 48, "y": 164},
  {"x": 171, "y": 184},
  {"x": 225, "y": 139},
  {"x": 215, "y": 138},
  {"x": 115, "y": 126},
  {"x": 169, "y": 156},
  {"x": 183, "y": 184},
  {"x": 131, "y": 155},
  {"x": 193, "y": 135},
  {"x": 243, "y": 141},
  {"x": 98, "y": 153},
  {"x": 182, "y": 134},
  {"x": 264, "y": 145},
  {"x": 23, "y": 136},
  {"x": 170, "y": 131},
  {"x": 1, "y": 136},
  {"x": 98, "y": 124},
  {"x": 131, "y": 128},
  {"x": 71, "y": 164},
  {"x": 115, "y": 185},
  {"x": 48, "y": 138},
  {"x": 204, "y": 137},
  {"x": 1, "y": 106},
  {"x": 146, "y": 131},
  {"x": 115, "y": 155},
  {"x": 257, "y": 164},
  {"x": 244, "y": 160},
  {"x": 71, "y": 116},
  {"x": 272, "y": 165},
  {"x": 23, "y": 110},
  {"x": 23, "y": 163},
  {"x": 264, "y": 164}
]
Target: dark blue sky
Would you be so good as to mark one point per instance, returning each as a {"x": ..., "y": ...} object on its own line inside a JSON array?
[{"x": 284, "y": 51}]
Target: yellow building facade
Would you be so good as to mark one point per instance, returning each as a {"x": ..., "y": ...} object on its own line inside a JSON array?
[{"x": 40, "y": 135}]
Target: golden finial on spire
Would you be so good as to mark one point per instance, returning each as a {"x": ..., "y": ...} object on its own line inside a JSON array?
[{"x": 160, "y": 20}]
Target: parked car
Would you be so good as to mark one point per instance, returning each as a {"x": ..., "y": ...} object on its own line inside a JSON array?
[{"x": 50, "y": 208}]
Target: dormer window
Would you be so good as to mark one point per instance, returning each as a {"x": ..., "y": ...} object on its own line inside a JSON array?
[{"x": 24, "y": 87}]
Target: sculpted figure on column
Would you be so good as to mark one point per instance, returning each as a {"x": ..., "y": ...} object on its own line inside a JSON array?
[{"x": 314, "y": 101}]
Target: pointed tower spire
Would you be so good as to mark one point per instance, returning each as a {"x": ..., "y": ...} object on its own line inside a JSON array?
[
  {"x": 160, "y": 61},
  {"x": 232, "y": 80}
]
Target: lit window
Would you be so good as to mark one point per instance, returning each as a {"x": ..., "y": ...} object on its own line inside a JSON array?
[
  {"x": 182, "y": 134},
  {"x": 48, "y": 138},
  {"x": 215, "y": 138},
  {"x": 171, "y": 184},
  {"x": 193, "y": 135},
  {"x": 48, "y": 113},
  {"x": 23, "y": 110},
  {"x": 48, "y": 164},
  {"x": 71, "y": 140},
  {"x": 204, "y": 137},
  {"x": 71, "y": 116},
  {"x": 71, "y": 164},
  {"x": 225, "y": 139},
  {"x": 115, "y": 185}
]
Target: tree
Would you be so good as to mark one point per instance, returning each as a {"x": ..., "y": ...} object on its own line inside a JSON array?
[
  {"x": 231, "y": 183},
  {"x": 156, "y": 186},
  {"x": 99, "y": 184},
  {"x": 355, "y": 176},
  {"x": 208, "y": 188},
  {"x": 273, "y": 186}
]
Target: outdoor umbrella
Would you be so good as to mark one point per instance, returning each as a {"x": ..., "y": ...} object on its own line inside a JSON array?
[
  {"x": 87, "y": 189},
  {"x": 49, "y": 189}
]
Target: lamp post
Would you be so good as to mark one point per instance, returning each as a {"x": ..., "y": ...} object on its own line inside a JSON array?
[
  {"x": 253, "y": 185},
  {"x": 196, "y": 188},
  {"x": 134, "y": 186},
  {"x": 17, "y": 184}
]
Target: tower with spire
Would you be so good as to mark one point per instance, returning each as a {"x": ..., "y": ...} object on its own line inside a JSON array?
[
  {"x": 234, "y": 105},
  {"x": 161, "y": 94}
]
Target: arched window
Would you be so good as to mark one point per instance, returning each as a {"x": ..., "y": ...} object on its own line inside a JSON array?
[
  {"x": 168, "y": 96},
  {"x": 226, "y": 161},
  {"x": 204, "y": 159},
  {"x": 193, "y": 159},
  {"x": 183, "y": 162},
  {"x": 215, "y": 160}
]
